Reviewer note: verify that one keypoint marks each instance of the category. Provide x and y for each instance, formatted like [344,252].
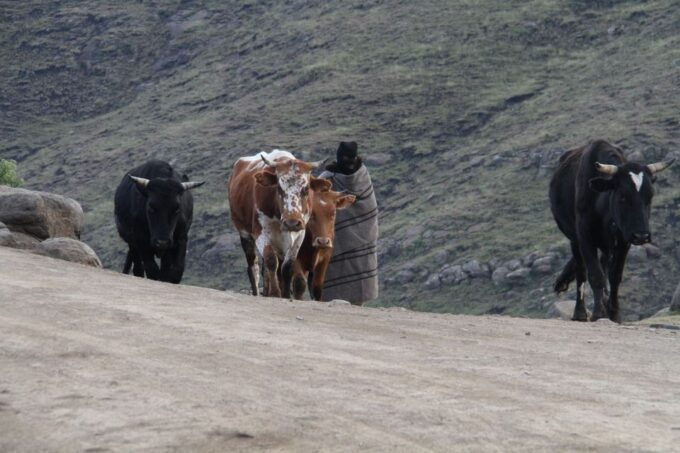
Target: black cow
[154,209]
[600,201]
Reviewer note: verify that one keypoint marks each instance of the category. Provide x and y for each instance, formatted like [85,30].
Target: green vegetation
[8,174]
[466,99]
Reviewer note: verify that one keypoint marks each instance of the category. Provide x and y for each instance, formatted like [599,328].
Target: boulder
[69,250]
[475,269]
[377,159]
[433,281]
[452,275]
[17,240]
[519,274]
[653,252]
[563,309]
[40,214]
[637,254]
[499,275]
[513,265]
[675,302]
[544,264]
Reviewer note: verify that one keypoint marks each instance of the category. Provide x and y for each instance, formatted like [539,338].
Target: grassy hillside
[461,108]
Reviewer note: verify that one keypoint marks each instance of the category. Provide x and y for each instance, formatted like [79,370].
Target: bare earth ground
[96,361]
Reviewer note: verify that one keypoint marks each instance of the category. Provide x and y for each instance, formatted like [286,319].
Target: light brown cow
[317,247]
[270,206]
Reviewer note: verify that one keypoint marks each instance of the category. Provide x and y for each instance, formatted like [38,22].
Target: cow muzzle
[322,243]
[293,225]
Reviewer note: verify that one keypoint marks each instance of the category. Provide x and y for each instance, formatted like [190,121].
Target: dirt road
[95,361]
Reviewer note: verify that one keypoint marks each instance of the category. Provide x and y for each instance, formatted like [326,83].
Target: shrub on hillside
[8,173]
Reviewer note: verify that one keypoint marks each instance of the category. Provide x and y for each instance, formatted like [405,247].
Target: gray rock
[528,260]
[653,252]
[17,240]
[377,159]
[662,312]
[544,264]
[338,302]
[475,269]
[499,275]
[433,282]
[40,214]
[3,226]
[69,250]
[452,275]
[519,274]
[513,265]
[637,254]
[405,276]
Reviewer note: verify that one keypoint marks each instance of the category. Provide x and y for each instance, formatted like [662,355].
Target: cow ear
[345,201]
[602,184]
[266,178]
[320,184]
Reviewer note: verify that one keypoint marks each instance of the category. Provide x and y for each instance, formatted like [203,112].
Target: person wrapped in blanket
[352,274]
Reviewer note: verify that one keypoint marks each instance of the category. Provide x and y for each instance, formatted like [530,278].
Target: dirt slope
[95,361]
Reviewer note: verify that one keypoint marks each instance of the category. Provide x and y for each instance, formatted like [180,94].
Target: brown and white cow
[317,247]
[270,206]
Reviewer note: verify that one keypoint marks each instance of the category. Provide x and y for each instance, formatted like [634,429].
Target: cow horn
[660,166]
[318,163]
[192,184]
[606,168]
[143,182]
[267,161]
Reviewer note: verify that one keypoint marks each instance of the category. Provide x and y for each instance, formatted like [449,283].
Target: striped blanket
[353,271]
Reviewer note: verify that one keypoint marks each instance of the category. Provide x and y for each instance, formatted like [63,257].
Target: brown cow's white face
[291,177]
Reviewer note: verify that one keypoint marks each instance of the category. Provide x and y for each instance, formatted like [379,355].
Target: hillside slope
[462,107]
[93,360]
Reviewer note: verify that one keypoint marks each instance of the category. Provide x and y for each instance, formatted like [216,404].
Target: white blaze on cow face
[293,184]
[637,179]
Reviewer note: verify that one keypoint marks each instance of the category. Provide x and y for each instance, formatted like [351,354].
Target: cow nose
[162,244]
[293,225]
[323,242]
[641,238]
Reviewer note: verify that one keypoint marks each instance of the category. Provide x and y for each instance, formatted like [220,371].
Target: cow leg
[604,262]
[299,284]
[128,262]
[271,264]
[150,267]
[596,279]
[580,313]
[248,245]
[173,262]
[566,276]
[319,277]
[615,276]
[292,248]
[132,259]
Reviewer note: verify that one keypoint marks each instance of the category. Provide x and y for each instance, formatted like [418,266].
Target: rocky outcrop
[44,223]
[69,250]
[40,214]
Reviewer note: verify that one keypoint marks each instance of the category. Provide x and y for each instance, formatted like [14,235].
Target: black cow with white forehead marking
[601,201]
[154,210]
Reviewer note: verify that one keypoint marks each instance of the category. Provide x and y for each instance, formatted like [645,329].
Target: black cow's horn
[319,163]
[660,166]
[141,181]
[267,161]
[192,184]
[606,168]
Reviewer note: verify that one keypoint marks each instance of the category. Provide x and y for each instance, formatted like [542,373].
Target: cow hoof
[560,286]
[615,318]
[580,317]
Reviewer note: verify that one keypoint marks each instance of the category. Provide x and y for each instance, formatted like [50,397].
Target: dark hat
[347,149]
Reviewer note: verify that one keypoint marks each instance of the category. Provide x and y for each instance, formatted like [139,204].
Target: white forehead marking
[256,160]
[637,179]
